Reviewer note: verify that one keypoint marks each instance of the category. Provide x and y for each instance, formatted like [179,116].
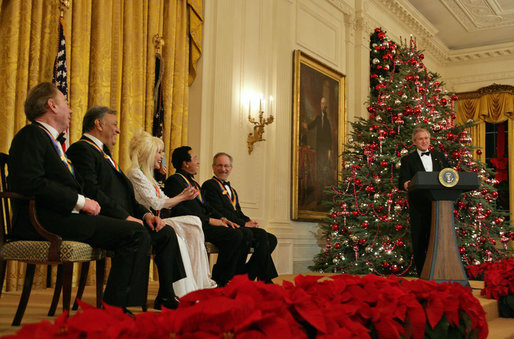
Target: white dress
[189,232]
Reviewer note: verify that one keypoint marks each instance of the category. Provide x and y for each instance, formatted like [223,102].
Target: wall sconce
[258,128]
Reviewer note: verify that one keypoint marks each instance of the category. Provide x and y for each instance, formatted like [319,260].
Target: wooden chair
[51,251]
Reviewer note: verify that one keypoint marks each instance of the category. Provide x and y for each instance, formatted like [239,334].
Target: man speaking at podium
[420,206]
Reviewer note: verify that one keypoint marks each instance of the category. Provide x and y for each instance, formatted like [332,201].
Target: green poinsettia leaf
[439,331]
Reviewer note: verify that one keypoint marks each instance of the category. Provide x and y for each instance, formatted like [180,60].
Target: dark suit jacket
[411,164]
[35,169]
[217,197]
[174,185]
[103,183]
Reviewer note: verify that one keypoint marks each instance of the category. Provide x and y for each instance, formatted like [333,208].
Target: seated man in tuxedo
[218,230]
[38,167]
[420,207]
[105,182]
[222,197]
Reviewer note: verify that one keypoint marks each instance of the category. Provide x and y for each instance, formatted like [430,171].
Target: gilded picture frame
[319,119]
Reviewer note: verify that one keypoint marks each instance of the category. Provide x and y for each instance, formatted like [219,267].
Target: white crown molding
[408,14]
[473,78]
[477,53]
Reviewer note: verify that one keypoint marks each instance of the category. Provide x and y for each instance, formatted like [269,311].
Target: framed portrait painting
[318,133]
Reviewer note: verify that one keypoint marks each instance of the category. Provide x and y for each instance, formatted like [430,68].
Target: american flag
[158,117]
[60,77]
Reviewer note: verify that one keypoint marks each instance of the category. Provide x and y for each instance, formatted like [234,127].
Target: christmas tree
[368,227]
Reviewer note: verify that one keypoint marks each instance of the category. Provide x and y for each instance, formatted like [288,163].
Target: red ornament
[421,56]
[444,102]
[365,224]
[494,194]
[385,264]
[355,213]
[398,227]
[371,109]
[370,189]
[383,164]
[335,227]
[462,250]
[358,182]
[337,246]
[455,155]
[479,151]
[399,243]
[450,136]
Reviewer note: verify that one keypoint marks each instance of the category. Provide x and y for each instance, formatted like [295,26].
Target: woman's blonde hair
[143,148]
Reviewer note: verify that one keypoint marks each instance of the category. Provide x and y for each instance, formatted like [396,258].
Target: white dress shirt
[426,160]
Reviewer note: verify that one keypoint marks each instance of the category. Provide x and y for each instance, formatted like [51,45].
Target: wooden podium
[443,262]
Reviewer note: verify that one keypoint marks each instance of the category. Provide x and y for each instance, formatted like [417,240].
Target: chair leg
[48,276]
[3,267]
[100,276]
[84,270]
[27,287]
[144,307]
[66,285]
[57,292]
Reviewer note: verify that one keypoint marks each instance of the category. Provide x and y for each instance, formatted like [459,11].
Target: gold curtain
[111,62]
[492,104]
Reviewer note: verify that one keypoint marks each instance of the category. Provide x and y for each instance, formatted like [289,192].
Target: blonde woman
[146,154]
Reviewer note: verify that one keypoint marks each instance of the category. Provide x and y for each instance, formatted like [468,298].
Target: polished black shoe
[171,303]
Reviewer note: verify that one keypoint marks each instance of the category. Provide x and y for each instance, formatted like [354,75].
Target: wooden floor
[499,328]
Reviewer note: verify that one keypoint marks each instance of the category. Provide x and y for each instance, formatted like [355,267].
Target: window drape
[492,104]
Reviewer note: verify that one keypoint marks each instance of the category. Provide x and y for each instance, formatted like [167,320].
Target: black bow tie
[106,150]
[226,183]
[425,153]
[61,138]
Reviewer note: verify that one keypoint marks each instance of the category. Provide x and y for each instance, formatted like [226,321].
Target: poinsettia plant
[343,306]
[498,277]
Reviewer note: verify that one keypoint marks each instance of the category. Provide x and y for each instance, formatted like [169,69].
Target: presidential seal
[448,177]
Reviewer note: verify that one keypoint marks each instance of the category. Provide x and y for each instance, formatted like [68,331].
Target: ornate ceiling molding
[476,15]
[424,33]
